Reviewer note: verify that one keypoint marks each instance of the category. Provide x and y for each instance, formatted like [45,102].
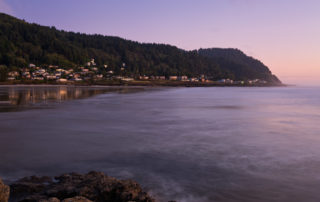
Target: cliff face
[4,192]
[73,187]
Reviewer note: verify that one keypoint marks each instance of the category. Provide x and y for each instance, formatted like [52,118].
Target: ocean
[187,144]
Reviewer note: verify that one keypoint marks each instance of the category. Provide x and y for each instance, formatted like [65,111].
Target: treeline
[241,65]
[22,43]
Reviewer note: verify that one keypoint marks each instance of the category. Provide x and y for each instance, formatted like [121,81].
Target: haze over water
[184,144]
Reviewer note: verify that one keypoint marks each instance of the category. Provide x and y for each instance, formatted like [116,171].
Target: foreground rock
[73,187]
[4,192]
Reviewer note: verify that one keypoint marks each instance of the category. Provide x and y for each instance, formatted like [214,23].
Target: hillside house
[183,78]
[143,77]
[173,78]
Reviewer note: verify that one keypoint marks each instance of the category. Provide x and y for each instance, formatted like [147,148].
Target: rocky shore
[4,192]
[73,187]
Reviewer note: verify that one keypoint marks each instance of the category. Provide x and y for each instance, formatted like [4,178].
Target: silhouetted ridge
[243,66]
[22,43]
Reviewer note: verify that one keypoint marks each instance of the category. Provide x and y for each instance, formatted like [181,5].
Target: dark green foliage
[22,43]
[243,66]
[3,72]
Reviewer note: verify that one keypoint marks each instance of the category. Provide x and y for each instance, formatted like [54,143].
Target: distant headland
[35,54]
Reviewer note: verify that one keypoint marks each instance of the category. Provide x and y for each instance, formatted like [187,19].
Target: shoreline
[138,84]
[68,85]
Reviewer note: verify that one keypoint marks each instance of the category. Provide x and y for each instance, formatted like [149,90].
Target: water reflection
[20,98]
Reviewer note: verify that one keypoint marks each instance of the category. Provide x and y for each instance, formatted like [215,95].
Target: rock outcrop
[73,187]
[4,192]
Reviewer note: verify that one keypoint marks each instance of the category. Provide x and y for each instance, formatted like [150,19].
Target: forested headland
[23,43]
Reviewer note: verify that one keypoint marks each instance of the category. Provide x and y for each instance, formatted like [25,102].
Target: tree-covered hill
[241,65]
[22,43]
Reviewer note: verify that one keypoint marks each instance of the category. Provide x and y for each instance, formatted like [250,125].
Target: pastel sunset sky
[283,34]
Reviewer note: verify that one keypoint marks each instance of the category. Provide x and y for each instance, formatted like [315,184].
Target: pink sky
[283,34]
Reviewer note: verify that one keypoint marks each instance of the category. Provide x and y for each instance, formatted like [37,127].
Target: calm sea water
[184,144]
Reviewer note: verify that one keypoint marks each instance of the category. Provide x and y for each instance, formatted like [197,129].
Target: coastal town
[90,72]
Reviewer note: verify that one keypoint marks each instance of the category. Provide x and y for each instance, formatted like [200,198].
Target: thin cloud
[5,7]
